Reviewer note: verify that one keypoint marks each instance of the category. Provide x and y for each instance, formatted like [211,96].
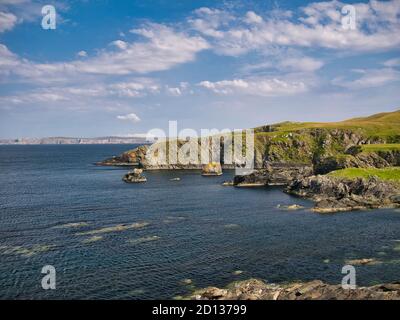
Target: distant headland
[70,140]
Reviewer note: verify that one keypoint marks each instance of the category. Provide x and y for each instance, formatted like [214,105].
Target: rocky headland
[254,289]
[300,157]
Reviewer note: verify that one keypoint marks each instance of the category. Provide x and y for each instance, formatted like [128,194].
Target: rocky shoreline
[254,289]
[333,194]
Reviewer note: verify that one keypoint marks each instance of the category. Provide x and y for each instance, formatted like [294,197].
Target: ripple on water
[143,240]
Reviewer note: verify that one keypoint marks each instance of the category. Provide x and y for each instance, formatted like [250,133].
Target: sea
[163,239]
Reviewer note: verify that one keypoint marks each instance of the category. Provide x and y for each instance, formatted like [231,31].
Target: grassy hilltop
[311,142]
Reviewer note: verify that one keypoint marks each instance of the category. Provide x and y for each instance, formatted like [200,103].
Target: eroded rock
[254,289]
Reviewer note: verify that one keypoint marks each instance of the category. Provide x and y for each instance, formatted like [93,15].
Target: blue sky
[126,67]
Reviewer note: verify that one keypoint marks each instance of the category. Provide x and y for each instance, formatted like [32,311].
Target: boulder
[134,176]
[212,169]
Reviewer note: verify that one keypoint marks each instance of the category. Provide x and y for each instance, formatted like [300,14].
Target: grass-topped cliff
[333,142]
[372,141]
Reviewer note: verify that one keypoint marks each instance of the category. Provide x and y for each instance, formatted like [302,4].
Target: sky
[127,67]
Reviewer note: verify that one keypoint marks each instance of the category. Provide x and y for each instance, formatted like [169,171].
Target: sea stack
[212,169]
[134,176]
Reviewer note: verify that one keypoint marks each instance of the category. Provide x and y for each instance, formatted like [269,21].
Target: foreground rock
[212,169]
[254,289]
[135,176]
[333,194]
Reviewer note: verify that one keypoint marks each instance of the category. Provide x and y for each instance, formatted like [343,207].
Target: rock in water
[212,169]
[134,176]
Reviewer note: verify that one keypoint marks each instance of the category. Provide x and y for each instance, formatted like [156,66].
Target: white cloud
[369,78]
[7,21]
[207,21]
[82,53]
[163,50]
[120,44]
[305,64]
[129,117]
[319,25]
[176,92]
[392,62]
[257,87]
[252,18]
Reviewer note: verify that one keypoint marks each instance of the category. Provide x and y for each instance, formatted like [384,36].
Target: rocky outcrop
[135,176]
[333,194]
[254,289]
[275,173]
[212,169]
[357,159]
[135,157]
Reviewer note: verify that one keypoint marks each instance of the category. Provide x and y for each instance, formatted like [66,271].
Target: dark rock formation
[135,176]
[275,173]
[254,289]
[333,194]
[356,159]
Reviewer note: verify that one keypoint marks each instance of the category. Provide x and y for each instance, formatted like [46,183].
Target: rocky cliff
[333,194]
[325,146]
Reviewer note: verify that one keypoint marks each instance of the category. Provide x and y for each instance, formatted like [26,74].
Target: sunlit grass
[387,174]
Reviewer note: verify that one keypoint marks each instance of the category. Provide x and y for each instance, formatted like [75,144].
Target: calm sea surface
[197,229]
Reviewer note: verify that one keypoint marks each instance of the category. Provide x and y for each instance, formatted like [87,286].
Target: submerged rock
[290,207]
[255,289]
[135,176]
[187,281]
[92,239]
[212,169]
[362,262]
[117,228]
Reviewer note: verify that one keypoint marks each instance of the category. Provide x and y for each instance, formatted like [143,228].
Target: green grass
[382,125]
[381,147]
[387,174]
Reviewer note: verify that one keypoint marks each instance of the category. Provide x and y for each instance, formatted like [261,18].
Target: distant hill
[68,140]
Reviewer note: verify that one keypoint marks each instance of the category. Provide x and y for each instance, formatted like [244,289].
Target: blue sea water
[197,229]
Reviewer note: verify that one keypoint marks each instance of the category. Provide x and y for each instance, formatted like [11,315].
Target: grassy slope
[387,174]
[379,125]
[381,147]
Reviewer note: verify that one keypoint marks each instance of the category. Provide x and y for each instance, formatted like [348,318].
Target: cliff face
[325,146]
